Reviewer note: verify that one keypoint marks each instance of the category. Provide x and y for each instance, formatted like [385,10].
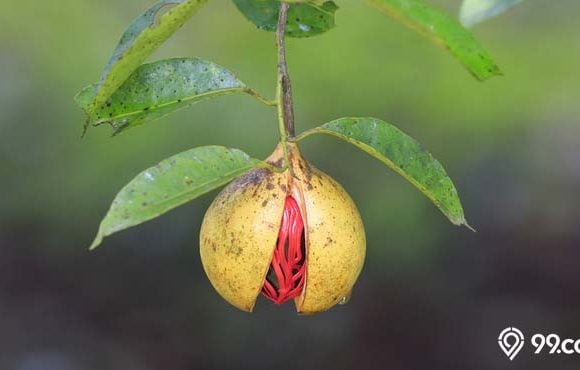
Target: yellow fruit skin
[336,244]
[238,235]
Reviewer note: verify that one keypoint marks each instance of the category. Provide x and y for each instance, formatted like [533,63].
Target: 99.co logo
[555,344]
[511,341]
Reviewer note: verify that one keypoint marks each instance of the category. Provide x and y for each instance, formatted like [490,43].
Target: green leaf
[444,31]
[171,183]
[475,11]
[402,154]
[157,89]
[304,19]
[143,36]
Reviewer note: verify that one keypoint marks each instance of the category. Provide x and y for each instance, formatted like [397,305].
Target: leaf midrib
[173,102]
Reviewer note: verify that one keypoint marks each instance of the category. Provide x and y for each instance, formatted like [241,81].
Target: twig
[285,108]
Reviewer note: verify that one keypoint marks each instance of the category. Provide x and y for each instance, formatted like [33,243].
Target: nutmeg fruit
[294,234]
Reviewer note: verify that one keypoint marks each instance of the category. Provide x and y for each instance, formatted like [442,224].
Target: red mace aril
[287,273]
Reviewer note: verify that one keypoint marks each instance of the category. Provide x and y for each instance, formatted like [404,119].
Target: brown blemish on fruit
[276,163]
[329,241]
[253,177]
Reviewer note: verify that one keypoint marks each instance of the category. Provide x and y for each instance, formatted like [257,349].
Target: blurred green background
[431,295]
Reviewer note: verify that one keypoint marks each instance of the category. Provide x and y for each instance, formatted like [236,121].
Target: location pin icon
[511,341]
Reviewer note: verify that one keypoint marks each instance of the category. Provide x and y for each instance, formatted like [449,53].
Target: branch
[284,84]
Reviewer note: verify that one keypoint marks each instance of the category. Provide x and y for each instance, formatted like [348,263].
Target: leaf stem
[256,95]
[305,134]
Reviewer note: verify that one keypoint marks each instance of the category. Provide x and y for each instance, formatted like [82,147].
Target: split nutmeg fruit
[287,235]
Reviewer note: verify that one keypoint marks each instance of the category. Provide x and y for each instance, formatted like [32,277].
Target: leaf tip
[85,127]
[96,242]
[469,227]
[463,222]
[492,71]
[495,72]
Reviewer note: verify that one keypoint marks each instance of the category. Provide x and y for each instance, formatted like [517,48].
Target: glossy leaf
[402,154]
[160,88]
[475,11]
[304,19]
[444,31]
[171,183]
[143,36]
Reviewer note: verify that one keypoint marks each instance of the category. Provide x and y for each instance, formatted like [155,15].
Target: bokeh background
[431,295]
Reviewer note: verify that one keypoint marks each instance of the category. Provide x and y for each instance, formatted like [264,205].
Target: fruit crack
[287,272]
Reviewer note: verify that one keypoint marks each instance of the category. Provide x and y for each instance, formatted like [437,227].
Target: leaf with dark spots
[172,183]
[443,30]
[157,89]
[401,153]
[141,38]
[305,19]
